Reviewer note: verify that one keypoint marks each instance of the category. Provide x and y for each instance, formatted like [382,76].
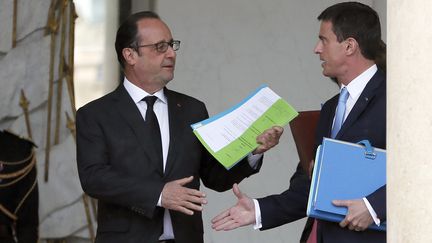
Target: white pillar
[110,63]
[409,119]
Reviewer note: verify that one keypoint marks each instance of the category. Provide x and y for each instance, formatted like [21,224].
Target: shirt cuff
[258,224]
[253,160]
[372,212]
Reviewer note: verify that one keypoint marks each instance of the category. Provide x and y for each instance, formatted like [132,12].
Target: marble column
[409,120]
[110,63]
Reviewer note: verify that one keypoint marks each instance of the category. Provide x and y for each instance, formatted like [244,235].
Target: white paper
[221,132]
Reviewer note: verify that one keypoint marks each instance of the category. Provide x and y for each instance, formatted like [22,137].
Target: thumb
[185,180]
[341,203]
[237,191]
[278,129]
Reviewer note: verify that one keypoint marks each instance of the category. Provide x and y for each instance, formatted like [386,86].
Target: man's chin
[167,77]
[327,74]
[166,81]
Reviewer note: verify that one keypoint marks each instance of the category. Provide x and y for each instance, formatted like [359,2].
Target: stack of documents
[344,171]
[231,135]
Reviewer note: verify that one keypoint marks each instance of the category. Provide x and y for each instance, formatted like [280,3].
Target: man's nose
[170,52]
[318,48]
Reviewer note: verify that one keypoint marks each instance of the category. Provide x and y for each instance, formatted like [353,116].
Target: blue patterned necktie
[340,112]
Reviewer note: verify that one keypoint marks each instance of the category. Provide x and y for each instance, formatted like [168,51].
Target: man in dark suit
[137,153]
[349,43]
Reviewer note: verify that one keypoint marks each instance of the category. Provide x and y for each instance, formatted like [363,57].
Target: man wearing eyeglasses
[136,151]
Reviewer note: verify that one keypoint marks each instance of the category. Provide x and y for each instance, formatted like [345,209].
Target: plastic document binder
[344,171]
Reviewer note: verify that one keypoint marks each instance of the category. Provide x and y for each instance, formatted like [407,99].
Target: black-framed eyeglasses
[162,46]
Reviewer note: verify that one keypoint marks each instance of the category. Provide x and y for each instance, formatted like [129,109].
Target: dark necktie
[152,125]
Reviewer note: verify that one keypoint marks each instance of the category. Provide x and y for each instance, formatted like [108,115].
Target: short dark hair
[358,21]
[127,33]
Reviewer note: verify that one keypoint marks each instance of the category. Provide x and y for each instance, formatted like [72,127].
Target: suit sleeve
[288,206]
[378,202]
[101,180]
[215,176]
[291,204]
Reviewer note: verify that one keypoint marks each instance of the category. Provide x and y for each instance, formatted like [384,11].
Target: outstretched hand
[176,196]
[358,217]
[241,214]
[268,139]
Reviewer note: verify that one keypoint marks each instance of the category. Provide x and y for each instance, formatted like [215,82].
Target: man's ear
[129,55]
[351,46]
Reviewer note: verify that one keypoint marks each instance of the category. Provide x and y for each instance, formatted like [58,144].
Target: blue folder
[344,171]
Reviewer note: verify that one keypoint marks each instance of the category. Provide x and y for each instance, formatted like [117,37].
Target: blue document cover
[344,171]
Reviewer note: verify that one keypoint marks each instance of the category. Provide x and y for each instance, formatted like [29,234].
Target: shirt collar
[356,86]
[138,94]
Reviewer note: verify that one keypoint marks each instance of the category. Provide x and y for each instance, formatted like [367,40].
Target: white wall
[409,117]
[228,49]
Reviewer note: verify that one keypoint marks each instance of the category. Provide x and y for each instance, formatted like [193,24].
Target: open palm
[241,214]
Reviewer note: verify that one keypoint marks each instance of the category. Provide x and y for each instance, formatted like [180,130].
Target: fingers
[220,221]
[349,222]
[268,139]
[177,197]
[277,129]
[352,225]
[344,223]
[188,208]
[358,217]
[185,180]
[188,205]
[189,191]
[270,135]
[183,210]
[194,196]
[342,203]
[229,220]
[226,224]
[225,221]
[195,193]
[220,217]
[241,214]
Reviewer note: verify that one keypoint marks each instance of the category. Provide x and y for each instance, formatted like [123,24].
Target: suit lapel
[328,121]
[365,98]
[175,114]
[130,113]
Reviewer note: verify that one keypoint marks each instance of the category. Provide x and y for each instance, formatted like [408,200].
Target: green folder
[268,110]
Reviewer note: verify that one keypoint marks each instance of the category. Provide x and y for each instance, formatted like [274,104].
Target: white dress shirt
[355,88]
[160,108]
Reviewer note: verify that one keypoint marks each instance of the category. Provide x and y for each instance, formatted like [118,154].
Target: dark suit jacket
[117,164]
[367,120]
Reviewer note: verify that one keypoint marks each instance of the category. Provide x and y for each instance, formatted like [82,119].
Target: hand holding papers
[231,135]
[344,171]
